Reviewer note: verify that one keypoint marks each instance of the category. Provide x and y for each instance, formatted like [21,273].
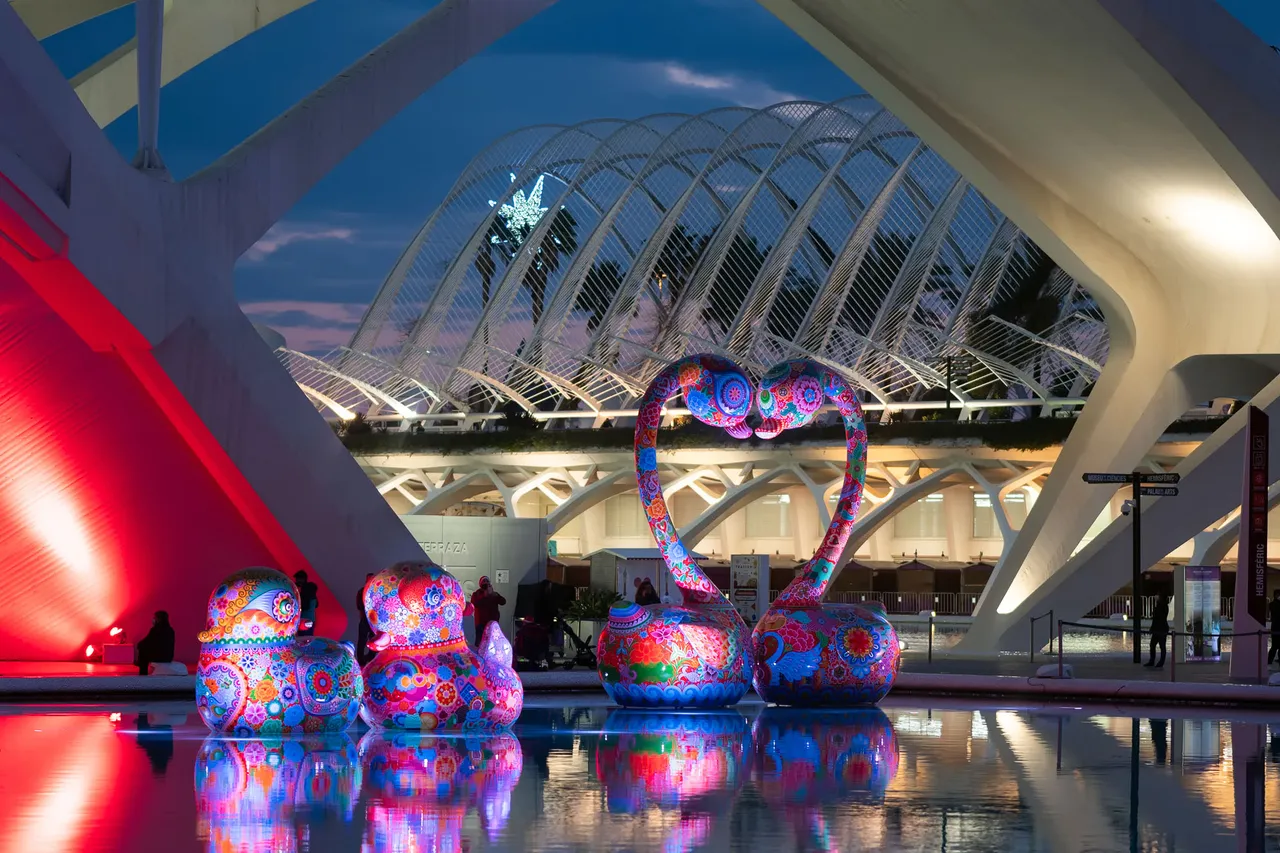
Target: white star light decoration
[524,212]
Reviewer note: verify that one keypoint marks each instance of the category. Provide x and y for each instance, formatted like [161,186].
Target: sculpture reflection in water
[425,676]
[419,789]
[807,652]
[693,654]
[255,677]
[264,795]
[805,760]
[690,764]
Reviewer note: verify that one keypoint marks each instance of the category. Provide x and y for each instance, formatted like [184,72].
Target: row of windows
[770,517]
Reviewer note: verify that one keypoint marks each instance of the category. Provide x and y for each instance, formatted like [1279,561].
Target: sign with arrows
[1159,491]
[1099,479]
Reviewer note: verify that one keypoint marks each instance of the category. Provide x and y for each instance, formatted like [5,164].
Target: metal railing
[1117,605]
[1261,636]
[1034,620]
[901,603]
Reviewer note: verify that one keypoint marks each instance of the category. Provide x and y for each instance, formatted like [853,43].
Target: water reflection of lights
[259,795]
[420,788]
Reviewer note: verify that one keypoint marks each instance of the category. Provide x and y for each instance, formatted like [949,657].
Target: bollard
[1059,649]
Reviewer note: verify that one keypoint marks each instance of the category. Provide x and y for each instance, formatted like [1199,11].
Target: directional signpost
[1152,485]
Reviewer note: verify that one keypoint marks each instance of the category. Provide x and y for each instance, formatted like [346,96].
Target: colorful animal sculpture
[807,760]
[420,789]
[258,794]
[255,677]
[425,676]
[807,652]
[693,654]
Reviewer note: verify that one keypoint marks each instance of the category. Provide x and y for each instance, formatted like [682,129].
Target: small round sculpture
[807,652]
[694,654]
[425,676]
[246,790]
[255,677]
[421,787]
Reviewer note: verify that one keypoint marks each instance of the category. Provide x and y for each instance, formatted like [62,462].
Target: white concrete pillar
[957,507]
[150,24]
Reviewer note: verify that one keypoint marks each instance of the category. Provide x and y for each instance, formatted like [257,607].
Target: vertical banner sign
[1253,544]
[748,580]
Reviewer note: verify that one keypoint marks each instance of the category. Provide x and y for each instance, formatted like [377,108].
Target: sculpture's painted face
[253,605]
[413,604]
[790,396]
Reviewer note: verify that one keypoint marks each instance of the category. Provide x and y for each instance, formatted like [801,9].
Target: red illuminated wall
[114,500]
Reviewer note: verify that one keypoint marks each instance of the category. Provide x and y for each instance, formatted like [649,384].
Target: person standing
[157,646]
[486,602]
[364,633]
[1159,630]
[308,601]
[1273,610]
[645,593]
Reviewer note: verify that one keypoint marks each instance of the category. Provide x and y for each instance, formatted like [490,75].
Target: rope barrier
[1171,633]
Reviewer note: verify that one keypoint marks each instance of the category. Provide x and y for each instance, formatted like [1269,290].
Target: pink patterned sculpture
[256,678]
[692,654]
[425,676]
[807,652]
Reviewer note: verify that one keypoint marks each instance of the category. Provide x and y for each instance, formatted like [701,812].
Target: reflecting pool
[577,774]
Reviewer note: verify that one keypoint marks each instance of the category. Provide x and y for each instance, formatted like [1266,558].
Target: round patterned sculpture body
[693,654]
[256,678]
[425,676]
[807,652]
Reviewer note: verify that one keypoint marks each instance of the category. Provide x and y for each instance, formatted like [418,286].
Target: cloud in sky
[308,326]
[287,233]
[743,91]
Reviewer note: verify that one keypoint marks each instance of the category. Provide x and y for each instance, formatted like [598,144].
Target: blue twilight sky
[314,273]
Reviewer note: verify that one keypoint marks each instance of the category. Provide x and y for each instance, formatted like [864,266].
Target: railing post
[930,636]
[1059,649]
[1033,638]
[1173,662]
[1050,632]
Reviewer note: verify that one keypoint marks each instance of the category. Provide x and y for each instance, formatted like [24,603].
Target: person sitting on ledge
[157,646]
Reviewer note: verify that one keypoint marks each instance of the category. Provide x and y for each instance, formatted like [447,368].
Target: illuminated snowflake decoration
[524,211]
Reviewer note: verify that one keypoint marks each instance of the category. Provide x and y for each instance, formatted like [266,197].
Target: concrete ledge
[94,686]
[1091,689]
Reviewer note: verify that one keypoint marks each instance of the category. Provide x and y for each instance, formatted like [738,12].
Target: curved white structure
[569,264]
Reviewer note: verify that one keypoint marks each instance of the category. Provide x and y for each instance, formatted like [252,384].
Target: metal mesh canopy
[567,265]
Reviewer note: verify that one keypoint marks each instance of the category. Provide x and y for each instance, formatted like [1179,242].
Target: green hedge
[1032,434]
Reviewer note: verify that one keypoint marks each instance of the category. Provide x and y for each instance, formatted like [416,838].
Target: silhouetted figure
[1160,739]
[486,602]
[157,646]
[646,593]
[308,601]
[157,743]
[1159,630]
[1273,610]
[364,633]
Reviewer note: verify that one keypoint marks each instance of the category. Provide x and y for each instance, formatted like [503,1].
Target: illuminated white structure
[569,264]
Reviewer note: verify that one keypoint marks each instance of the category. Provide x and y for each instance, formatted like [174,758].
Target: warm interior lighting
[1226,222]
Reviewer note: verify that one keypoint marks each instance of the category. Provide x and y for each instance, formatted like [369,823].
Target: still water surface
[577,774]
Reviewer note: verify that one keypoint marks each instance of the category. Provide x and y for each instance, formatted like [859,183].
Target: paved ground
[1084,666]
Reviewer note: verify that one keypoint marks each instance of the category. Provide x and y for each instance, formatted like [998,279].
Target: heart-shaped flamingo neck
[717,392]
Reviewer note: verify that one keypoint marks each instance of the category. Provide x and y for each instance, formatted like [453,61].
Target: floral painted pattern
[255,677]
[426,676]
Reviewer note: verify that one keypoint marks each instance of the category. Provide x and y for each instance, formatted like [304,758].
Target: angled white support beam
[150,28]
[733,500]
[49,17]
[899,499]
[588,496]
[466,486]
[259,181]
[1210,547]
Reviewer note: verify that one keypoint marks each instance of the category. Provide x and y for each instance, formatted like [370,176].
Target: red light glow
[89,650]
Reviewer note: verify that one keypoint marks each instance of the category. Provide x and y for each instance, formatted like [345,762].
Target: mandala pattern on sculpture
[693,654]
[807,652]
[425,676]
[256,678]
[421,787]
[246,790]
